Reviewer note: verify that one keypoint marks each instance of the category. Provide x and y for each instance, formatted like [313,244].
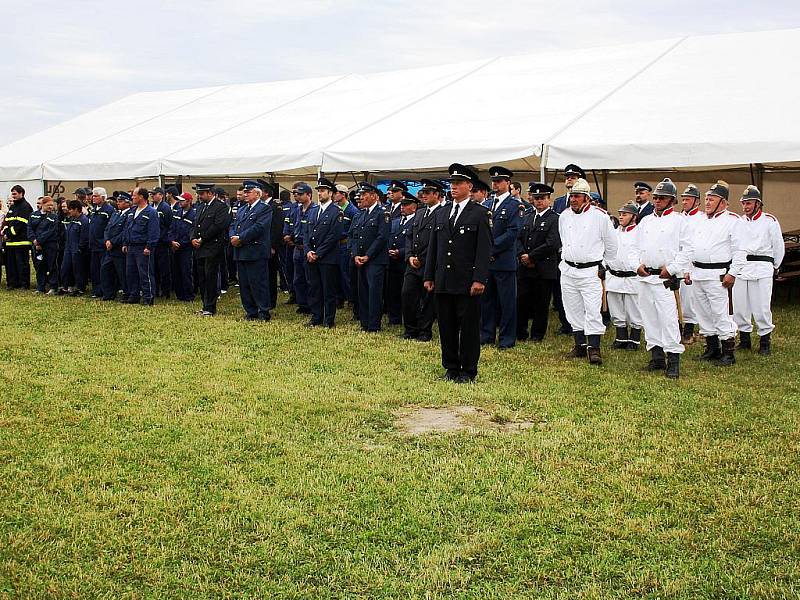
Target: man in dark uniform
[538,264]
[349,211]
[499,300]
[418,304]
[184,215]
[643,193]
[43,233]
[395,193]
[76,246]
[456,271]
[112,266]
[249,238]
[16,243]
[322,256]
[370,235]
[141,235]
[305,210]
[480,194]
[99,216]
[400,227]
[161,260]
[208,237]
[276,228]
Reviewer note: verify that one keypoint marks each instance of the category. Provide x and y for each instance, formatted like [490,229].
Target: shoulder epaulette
[771,217]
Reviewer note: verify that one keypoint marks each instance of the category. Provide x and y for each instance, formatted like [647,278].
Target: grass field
[149,453]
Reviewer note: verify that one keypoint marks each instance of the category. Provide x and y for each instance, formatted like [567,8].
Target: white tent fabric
[693,102]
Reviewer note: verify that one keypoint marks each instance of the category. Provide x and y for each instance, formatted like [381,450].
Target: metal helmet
[629,207]
[751,192]
[580,187]
[665,187]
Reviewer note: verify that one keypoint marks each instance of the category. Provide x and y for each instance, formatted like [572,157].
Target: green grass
[150,453]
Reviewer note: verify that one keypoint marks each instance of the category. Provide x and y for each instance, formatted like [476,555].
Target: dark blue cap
[157,190]
[325,183]
[173,189]
[203,187]
[267,187]
[641,185]
[408,198]
[500,173]
[459,171]
[480,186]
[363,186]
[538,188]
[251,184]
[124,196]
[574,170]
[302,187]
[432,185]
[398,186]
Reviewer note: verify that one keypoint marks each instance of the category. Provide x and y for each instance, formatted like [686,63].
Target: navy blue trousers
[140,273]
[499,308]
[47,267]
[183,274]
[370,295]
[323,290]
[254,288]
[73,270]
[112,276]
[300,278]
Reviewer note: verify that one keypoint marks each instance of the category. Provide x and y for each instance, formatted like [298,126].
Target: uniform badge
[521,210]
[341,217]
[387,217]
[461,231]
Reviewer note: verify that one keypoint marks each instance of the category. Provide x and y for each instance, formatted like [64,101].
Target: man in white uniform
[718,259]
[587,240]
[764,249]
[622,290]
[691,210]
[665,249]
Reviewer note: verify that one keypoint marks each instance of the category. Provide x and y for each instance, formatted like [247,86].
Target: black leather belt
[595,263]
[622,273]
[653,270]
[719,265]
[760,258]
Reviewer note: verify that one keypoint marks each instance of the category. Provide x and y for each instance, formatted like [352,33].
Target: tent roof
[687,103]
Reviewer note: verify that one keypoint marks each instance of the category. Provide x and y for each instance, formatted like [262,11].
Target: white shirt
[461,206]
[665,240]
[587,236]
[498,200]
[762,237]
[371,208]
[715,240]
[138,211]
[627,259]
[324,206]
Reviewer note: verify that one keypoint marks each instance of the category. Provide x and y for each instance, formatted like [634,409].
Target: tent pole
[605,185]
[543,164]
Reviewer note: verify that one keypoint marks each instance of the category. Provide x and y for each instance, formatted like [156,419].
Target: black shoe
[303,310]
[673,365]
[657,359]
[76,293]
[537,339]
[728,357]
[712,351]
[147,302]
[312,324]
[265,317]
[464,378]
[621,340]
[451,375]
[250,318]
[292,299]
[565,330]
[634,339]
[96,296]
[424,337]
[765,345]
[407,335]
[745,342]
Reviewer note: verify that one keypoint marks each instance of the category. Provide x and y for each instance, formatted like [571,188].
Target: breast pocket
[468,229]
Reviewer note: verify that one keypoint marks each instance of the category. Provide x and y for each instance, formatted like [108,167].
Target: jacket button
[449,253]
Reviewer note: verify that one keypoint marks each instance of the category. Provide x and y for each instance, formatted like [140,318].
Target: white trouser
[711,304]
[582,298]
[660,316]
[751,300]
[624,309]
[687,303]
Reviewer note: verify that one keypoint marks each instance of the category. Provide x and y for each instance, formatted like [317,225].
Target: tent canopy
[692,102]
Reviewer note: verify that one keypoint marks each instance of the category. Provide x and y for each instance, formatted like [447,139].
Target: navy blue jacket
[301,220]
[143,230]
[99,216]
[182,224]
[397,241]
[324,234]
[44,228]
[114,232]
[77,238]
[370,235]
[349,212]
[164,221]
[252,225]
[506,223]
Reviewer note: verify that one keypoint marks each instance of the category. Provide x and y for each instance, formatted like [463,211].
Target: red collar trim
[757,215]
[630,227]
[694,211]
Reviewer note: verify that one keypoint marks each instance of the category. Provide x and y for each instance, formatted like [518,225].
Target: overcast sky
[61,59]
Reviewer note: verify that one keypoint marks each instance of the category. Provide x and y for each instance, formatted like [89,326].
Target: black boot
[728,358]
[579,351]
[657,361]
[765,345]
[593,350]
[712,351]
[688,334]
[673,365]
[634,339]
[745,343]
[621,340]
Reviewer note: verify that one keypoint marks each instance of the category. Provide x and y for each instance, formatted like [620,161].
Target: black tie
[454,217]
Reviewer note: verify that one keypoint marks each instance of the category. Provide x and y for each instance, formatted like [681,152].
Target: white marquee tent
[689,103]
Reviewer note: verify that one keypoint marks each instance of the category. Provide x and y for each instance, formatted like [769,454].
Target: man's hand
[109,245]
[146,251]
[394,254]
[428,285]
[124,249]
[361,260]
[196,243]
[728,281]
[272,251]
[687,279]
[642,271]
[476,289]
[176,246]
[235,241]
[664,273]
[525,260]
[311,256]
[414,262]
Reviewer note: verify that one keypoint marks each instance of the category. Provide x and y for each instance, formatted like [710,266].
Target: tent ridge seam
[258,116]
[615,90]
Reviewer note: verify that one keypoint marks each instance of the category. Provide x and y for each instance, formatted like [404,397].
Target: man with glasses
[418,306]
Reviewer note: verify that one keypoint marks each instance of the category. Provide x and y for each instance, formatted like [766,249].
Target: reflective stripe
[20,219]
[25,243]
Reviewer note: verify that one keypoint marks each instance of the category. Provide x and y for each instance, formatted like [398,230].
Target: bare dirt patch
[419,421]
